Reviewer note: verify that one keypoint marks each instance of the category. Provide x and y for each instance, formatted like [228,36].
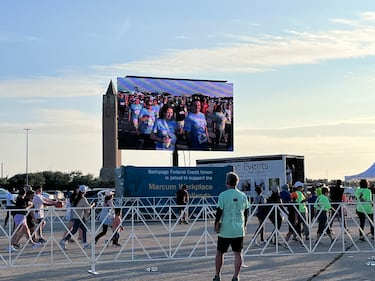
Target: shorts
[235,243]
[20,219]
[180,124]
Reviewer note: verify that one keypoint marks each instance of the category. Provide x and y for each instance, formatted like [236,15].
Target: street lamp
[27,155]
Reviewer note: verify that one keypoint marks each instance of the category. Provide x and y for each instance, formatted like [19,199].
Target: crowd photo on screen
[165,121]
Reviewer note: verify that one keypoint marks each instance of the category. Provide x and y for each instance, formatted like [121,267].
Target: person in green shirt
[302,218]
[230,222]
[322,206]
[364,208]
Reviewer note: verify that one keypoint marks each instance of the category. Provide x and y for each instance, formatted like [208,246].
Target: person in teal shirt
[230,222]
[364,208]
[322,205]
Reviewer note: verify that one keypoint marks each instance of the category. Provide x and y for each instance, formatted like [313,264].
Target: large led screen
[174,114]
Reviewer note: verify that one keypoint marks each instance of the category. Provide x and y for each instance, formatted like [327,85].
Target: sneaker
[362,239]
[62,244]
[87,245]
[36,245]
[42,240]
[16,246]
[185,222]
[235,279]
[71,240]
[216,278]
[11,249]
[117,244]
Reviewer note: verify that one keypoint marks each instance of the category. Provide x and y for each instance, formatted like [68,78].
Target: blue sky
[303,74]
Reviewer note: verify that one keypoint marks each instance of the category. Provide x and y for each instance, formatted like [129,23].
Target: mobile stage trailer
[265,171]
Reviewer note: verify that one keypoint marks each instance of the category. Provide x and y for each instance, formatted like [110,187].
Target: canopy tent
[368,174]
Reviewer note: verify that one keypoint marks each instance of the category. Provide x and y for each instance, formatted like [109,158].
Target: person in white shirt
[9,205]
[39,203]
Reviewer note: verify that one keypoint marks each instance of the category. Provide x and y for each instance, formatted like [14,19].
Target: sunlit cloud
[240,54]
[49,87]
[11,37]
[249,54]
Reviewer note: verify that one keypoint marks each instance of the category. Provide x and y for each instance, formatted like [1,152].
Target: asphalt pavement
[343,267]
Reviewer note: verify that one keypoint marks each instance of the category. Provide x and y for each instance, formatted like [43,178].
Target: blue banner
[164,182]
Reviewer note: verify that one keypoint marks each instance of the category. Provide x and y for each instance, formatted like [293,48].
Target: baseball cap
[83,188]
[298,184]
[285,187]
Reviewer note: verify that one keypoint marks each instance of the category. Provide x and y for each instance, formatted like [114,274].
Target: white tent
[368,174]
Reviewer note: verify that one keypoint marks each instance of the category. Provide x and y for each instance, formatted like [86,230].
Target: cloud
[354,128]
[250,54]
[368,16]
[49,87]
[11,37]
[235,54]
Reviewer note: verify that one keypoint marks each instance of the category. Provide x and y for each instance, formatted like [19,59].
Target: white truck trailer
[264,171]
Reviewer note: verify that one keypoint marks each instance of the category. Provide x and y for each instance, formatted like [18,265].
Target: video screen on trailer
[174,114]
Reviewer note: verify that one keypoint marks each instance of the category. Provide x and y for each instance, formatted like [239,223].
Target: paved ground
[297,267]
[343,267]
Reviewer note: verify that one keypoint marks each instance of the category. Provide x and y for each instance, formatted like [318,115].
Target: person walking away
[260,213]
[364,208]
[337,192]
[230,222]
[182,199]
[81,210]
[323,206]
[275,215]
[117,227]
[293,228]
[107,214]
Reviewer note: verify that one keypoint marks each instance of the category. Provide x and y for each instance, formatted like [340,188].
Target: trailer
[264,171]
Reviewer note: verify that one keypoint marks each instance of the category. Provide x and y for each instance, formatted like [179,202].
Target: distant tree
[56,180]
[18,181]
[78,178]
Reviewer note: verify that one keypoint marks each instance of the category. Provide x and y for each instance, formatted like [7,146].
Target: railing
[152,232]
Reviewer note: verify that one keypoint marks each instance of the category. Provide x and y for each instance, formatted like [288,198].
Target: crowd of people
[301,207]
[165,122]
[28,217]
[320,204]
[27,214]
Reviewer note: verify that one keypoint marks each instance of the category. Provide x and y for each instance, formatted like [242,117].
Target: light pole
[27,155]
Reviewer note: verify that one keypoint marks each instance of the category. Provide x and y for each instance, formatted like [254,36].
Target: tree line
[51,181]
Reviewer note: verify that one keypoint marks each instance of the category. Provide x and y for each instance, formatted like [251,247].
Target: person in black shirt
[337,192]
[182,199]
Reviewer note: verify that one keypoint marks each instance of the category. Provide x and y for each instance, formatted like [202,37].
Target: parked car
[56,195]
[48,195]
[3,197]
